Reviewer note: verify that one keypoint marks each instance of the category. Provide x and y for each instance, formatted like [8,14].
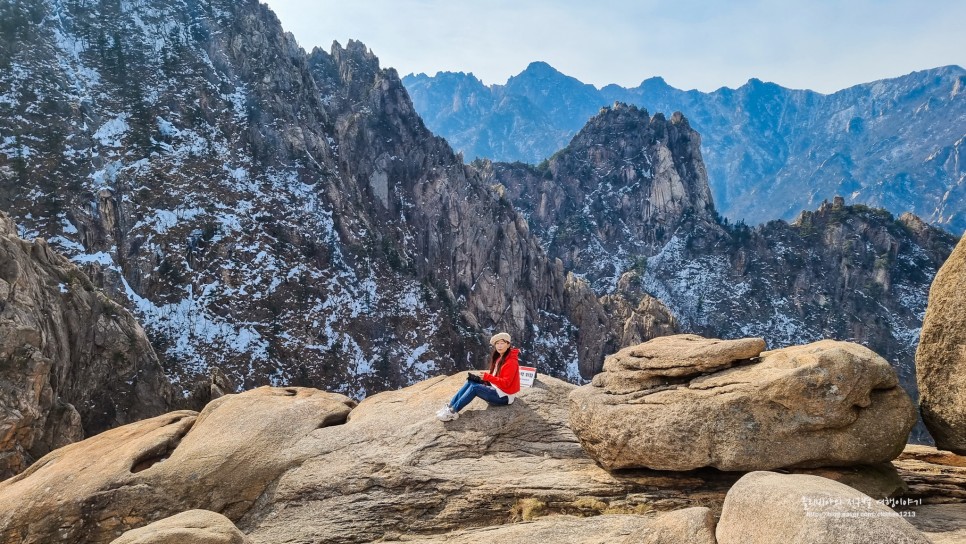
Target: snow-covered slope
[281,215]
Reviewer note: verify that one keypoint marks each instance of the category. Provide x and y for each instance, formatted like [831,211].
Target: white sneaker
[447,414]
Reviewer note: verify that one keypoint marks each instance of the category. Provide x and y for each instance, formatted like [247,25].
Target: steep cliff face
[73,362]
[283,216]
[893,143]
[425,214]
[622,187]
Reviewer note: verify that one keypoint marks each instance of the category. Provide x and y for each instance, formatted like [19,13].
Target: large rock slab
[823,404]
[193,526]
[394,469]
[73,362]
[941,355]
[277,464]
[687,526]
[220,460]
[667,359]
[683,355]
[765,507]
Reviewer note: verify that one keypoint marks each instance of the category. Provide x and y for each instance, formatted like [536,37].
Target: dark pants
[471,390]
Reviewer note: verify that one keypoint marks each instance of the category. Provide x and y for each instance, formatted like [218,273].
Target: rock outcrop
[72,361]
[671,359]
[933,476]
[823,404]
[650,319]
[941,356]
[394,469]
[766,507]
[220,460]
[390,469]
[280,466]
[192,526]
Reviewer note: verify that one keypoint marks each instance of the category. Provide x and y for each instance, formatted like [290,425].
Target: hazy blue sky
[822,45]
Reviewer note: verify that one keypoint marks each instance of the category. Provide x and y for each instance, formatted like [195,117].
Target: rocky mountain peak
[654,82]
[548,90]
[538,70]
[626,133]
[624,186]
[356,62]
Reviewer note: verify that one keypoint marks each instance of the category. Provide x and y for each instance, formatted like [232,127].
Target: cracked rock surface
[296,465]
[221,460]
[828,403]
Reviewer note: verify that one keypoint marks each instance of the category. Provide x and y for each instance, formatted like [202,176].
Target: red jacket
[507,379]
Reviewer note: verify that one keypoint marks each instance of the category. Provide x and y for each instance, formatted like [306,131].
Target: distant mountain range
[771,152]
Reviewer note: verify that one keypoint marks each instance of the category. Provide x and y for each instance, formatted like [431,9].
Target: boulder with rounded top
[194,526]
[823,404]
[941,355]
[766,507]
[220,460]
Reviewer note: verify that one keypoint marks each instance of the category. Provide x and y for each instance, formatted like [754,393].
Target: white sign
[527,375]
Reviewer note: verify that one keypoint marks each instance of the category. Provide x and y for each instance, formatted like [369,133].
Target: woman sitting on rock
[496,387]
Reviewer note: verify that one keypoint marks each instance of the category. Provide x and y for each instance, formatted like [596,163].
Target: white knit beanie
[500,336]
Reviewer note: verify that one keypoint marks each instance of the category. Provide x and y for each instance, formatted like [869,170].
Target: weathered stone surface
[823,404]
[941,523]
[72,362]
[688,526]
[765,507]
[393,469]
[193,526]
[220,460]
[683,355]
[941,356]
[933,476]
[663,360]
[881,481]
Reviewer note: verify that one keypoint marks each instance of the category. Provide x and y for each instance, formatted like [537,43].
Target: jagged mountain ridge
[617,209]
[622,187]
[281,215]
[894,143]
